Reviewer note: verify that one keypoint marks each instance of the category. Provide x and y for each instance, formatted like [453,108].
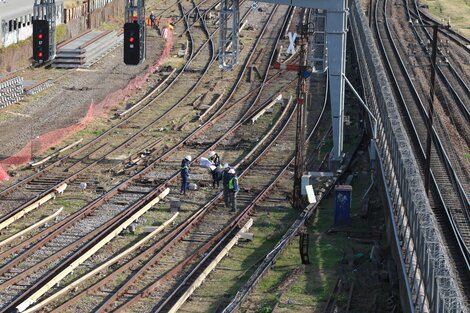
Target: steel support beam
[336,31]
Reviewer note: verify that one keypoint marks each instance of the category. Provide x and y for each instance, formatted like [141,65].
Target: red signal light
[131,39]
[40,36]
[40,54]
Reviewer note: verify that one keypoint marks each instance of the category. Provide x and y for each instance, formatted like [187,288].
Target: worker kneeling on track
[185,174]
[233,189]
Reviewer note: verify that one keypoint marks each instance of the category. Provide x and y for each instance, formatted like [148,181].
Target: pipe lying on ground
[198,282]
[57,191]
[55,154]
[69,269]
[30,228]
[103,266]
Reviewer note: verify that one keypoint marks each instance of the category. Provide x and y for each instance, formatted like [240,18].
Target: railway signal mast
[134,32]
[44,18]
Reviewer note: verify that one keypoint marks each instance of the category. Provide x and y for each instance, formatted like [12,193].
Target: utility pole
[304,73]
[302,90]
[88,16]
[427,169]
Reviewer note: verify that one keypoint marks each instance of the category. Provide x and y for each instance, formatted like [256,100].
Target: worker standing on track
[233,189]
[152,20]
[216,172]
[225,181]
[185,174]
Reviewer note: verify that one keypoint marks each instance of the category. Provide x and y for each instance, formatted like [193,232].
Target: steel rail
[446,77]
[126,142]
[184,283]
[188,223]
[60,227]
[83,212]
[460,40]
[144,171]
[109,130]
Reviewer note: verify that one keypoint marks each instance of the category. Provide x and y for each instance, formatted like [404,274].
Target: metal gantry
[46,10]
[135,13]
[228,34]
[335,29]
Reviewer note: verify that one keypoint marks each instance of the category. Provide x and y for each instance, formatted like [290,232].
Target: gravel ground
[67,101]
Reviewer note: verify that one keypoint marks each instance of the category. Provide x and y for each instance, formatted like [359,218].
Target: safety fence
[52,138]
[428,283]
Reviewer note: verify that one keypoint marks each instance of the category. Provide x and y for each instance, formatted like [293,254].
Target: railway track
[137,191]
[142,150]
[147,276]
[446,197]
[450,78]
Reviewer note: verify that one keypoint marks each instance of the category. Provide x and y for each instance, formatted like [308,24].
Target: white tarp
[205,163]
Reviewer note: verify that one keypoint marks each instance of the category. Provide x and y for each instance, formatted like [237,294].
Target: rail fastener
[51,195]
[69,269]
[103,266]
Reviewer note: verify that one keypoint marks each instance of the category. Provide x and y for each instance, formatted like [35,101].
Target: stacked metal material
[32,87]
[86,49]
[11,90]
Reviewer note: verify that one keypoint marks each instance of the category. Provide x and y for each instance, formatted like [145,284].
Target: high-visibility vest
[230,183]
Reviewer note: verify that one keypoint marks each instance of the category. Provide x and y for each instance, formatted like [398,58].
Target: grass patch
[457,11]
[467,156]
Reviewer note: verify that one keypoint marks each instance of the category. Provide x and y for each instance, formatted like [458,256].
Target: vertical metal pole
[427,170]
[300,127]
[88,16]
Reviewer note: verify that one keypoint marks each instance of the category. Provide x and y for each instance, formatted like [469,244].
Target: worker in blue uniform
[185,174]
[233,189]
[225,180]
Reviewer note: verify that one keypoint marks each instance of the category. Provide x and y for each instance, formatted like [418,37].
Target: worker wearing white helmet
[185,174]
[233,189]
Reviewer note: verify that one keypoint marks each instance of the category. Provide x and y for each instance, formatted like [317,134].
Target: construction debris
[11,90]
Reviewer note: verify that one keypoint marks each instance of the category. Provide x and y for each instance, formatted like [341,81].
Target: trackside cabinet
[343,201]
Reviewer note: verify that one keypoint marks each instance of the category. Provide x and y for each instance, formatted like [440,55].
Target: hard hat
[226,166]
[232,171]
[188,157]
[211,154]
